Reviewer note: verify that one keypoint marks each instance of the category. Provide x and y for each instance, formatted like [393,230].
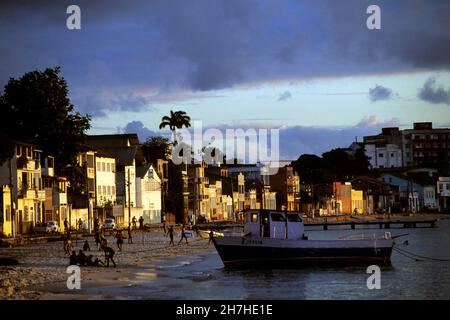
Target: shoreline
[41,273]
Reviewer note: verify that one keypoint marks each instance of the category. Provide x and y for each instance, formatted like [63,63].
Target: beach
[41,272]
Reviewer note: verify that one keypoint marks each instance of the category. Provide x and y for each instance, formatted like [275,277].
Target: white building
[443,192]
[105,181]
[385,156]
[148,193]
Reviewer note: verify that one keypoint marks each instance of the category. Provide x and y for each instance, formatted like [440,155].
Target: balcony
[40,195]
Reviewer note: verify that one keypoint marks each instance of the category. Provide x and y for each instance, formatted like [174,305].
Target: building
[425,146]
[126,150]
[22,190]
[286,184]
[422,145]
[148,193]
[385,150]
[415,193]
[55,206]
[443,194]
[105,184]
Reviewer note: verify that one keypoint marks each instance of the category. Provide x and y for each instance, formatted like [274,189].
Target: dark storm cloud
[380,93]
[203,45]
[433,94]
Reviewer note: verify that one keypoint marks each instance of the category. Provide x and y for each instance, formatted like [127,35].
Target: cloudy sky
[309,68]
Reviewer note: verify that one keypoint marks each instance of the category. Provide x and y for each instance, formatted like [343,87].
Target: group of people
[141,223]
[170,233]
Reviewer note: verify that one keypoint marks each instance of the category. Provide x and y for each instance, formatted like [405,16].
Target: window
[380,155]
[109,190]
[99,166]
[254,217]
[294,218]
[277,217]
[103,167]
[392,155]
[104,190]
[113,190]
[108,167]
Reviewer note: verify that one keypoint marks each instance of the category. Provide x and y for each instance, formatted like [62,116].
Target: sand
[42,267]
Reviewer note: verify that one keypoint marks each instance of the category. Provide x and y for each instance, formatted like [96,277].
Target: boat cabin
[274,224]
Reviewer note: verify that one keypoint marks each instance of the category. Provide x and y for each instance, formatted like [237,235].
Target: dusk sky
[310,68]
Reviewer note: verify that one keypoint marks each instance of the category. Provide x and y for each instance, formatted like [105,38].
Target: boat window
[277,217]
[294,218]
[254,217]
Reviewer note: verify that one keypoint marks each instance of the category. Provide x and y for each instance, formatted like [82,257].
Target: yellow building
[357,201]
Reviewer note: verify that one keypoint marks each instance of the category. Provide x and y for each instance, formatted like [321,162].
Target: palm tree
[176,120]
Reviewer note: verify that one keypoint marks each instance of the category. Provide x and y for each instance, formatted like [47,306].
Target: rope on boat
[412,258]
[416,256]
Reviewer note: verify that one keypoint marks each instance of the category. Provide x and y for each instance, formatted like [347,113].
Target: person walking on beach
[211,236]
[141,223]
[119,237]
[170,233]
[109,255]
[66,226]
[183,236]
[103,242]
[97,240]
[130,236]
[164,227]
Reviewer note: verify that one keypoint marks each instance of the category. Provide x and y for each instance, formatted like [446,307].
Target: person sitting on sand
[86,246]
[81,257]
[73,259]
[95,263]
[183,236]
[109,255]
[67,244]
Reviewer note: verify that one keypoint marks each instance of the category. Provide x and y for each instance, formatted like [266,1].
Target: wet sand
[41,273]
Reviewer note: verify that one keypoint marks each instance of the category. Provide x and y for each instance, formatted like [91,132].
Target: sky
[311,69]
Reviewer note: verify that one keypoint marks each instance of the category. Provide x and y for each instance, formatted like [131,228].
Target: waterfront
[202,276]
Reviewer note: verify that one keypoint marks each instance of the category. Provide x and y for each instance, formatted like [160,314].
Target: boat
[277,238]
[205,234]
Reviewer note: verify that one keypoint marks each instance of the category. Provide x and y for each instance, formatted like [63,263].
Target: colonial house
[55,206]
[105,184]
[148,193]
[124,148]
[20,179]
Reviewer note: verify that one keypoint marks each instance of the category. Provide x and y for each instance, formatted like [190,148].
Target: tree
[37,108]
[176,120]
[156,148]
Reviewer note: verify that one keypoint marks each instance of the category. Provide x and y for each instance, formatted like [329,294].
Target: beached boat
[205,234]
[278,238]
